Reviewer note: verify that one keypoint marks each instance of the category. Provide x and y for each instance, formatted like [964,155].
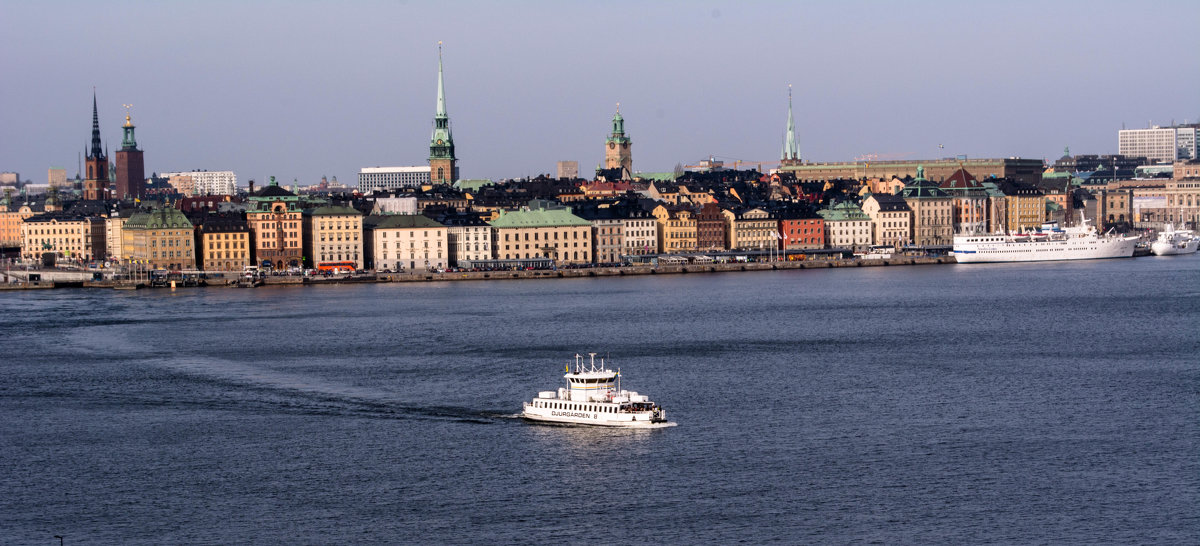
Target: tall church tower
[618,152]
[95,186]
[131,171]
[443,166]
[791,147]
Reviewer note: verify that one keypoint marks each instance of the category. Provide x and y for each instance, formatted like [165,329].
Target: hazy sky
[304,89]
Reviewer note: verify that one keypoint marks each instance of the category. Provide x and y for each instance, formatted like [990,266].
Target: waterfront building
[67,235]
[791,147]
[932,212]
[1160,144]
[443,165]
[969,203]
[1028,171]
[204,182]
[95,186]
[408,243]
[542,231]
[276,227]
[846,226]
[618,152]
[640,230]
[1175,201]
[333,234]
[608,232]
[751,229]
[162,238]
[468,237]
[1026,206]
[130,166]
[676,229]
[114,233]
[712,229]
[801,232]
[891,219]
[223,242]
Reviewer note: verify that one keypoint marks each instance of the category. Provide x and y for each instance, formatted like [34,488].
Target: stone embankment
[682,269]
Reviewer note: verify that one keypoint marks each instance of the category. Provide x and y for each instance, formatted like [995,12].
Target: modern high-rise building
[443,165]
[209,182]
[131,170]
[391,178]
[1160,144]
[95,186]
[568,169]
[618,153]
[791,146]
[56,177]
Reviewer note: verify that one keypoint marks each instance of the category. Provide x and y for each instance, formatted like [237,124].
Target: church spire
[96,151]
[791,148]
[441,99]
[442,162]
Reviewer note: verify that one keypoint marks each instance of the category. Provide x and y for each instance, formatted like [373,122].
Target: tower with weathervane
[618,153]
[131,171]
[443,166]
[95,186]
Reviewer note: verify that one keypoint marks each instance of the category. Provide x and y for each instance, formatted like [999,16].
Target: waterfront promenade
[83,279]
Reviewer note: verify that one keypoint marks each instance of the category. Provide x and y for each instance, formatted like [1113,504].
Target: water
[989,403]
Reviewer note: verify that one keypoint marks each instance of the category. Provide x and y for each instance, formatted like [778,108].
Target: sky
[304,89]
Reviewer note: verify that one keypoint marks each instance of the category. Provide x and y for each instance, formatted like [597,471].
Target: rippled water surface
[990,403]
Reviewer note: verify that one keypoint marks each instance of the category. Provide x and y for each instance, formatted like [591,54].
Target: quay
[48,279]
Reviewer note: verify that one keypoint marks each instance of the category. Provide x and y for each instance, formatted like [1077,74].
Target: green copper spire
[441,144]
[791,148]
[128,142]
[618,128]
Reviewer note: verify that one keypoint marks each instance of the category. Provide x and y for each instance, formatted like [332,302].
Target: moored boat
[593,396]
[1173,241]
[1048,243]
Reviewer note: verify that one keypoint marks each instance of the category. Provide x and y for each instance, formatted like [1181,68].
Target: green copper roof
[472,184]
[334,211]
[538,218]
[441,143]
[159,218]
[791,149]
[668,176]
[407,221]
[843,212]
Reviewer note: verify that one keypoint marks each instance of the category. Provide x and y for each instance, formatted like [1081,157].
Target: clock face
[612,145]
[440,142]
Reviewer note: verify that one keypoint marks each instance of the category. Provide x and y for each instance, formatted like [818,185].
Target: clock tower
[618,151]
[443,166]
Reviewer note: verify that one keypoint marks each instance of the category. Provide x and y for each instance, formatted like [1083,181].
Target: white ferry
[1048,243]
[1173,241]
[593,396]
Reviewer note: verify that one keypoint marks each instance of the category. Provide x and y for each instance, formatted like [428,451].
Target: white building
[641,235]
[409,243]
[209,182]
[1159,144]
[470,239]
[390,178]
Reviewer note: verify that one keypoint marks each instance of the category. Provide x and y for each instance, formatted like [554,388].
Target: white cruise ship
[593,396]
[1048,243]
[1173,241]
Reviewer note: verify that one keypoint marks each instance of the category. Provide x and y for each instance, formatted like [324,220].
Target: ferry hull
[1168,249]
[1048,251]
[641,422]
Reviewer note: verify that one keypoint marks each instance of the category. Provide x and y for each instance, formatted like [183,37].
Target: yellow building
[542,231]
[676,229]
[224,243]
[1026,208]
[333,234]
[12,215]
[162,238]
